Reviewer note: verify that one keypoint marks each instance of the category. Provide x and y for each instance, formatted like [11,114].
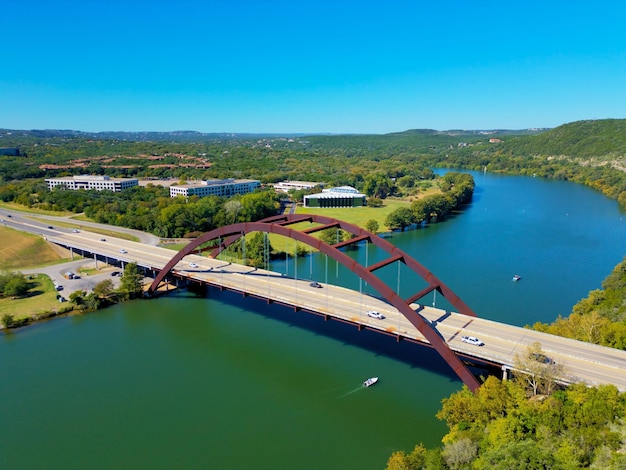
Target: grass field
[21,250]
[20,208]
[42,297]
[359,215]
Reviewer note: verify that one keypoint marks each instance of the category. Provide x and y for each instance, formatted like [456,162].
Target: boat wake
[351,392]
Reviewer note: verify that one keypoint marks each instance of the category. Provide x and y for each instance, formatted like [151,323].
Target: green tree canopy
[131,284]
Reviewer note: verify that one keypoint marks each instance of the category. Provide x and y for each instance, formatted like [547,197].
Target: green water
[196,383]
[227,382]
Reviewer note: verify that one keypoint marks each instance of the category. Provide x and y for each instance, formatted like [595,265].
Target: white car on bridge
[472,340]
[375,314]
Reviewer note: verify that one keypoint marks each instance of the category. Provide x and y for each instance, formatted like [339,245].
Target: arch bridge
[284,225]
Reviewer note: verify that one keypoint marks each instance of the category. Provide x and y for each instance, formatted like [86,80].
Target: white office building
[99,183]
[286,186]
[223,187]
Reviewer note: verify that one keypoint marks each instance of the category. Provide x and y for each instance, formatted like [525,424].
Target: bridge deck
[583,362]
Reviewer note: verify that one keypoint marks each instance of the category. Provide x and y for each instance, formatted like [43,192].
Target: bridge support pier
[505,373]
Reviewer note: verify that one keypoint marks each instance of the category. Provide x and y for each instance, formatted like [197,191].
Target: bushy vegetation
[13,284]
[502,427]
[457,190]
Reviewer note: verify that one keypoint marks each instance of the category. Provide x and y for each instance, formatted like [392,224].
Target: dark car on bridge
[543,359]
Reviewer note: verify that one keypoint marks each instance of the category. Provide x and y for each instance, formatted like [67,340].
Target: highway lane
[585,362]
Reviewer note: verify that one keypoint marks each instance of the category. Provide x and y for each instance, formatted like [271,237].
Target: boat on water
[371,381]
[517,277]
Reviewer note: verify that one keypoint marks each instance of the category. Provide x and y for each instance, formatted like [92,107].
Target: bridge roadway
[583,362]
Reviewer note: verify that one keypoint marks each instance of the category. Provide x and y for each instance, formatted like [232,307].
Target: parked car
[472,340]
[317,285]
[375,314]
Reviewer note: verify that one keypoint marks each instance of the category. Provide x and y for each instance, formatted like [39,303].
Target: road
[37,223]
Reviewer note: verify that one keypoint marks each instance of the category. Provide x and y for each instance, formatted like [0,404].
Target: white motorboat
[371,381]
[517,277]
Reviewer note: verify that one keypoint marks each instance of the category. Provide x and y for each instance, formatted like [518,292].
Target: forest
[592,153]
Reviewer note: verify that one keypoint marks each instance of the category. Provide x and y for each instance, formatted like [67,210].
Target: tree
[104,289]
[16,286]
[131,284]
[232,207]
[7,320]
[78,298]
[536,369]
[416,460]
[372,226]
[440,205]
[459,454]
[378,185]
[420,210]
[517,455]
[258,249]
[92,301]
[332,236]
[400,219]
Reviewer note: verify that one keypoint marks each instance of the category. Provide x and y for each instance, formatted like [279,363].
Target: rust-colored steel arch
[280,225]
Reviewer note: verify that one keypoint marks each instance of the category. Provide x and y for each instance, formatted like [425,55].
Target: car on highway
[317,285]
[103,239]
[375,314]
[50,227]
[76,230]
[123,251]
[472,340]
[116,273]
[193,265]
[543,359]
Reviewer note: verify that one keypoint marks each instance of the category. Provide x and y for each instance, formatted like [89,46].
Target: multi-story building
[99,183]
[223,187]
[285,186]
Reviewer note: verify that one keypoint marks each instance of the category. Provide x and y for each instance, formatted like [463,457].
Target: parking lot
[84,281]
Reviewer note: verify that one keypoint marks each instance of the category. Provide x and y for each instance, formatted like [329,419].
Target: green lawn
[359,215]
[42,297]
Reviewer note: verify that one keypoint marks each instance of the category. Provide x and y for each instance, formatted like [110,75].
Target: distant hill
[466,132]
[603,139]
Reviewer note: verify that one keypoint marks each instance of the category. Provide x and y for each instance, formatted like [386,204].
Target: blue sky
[310,66]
